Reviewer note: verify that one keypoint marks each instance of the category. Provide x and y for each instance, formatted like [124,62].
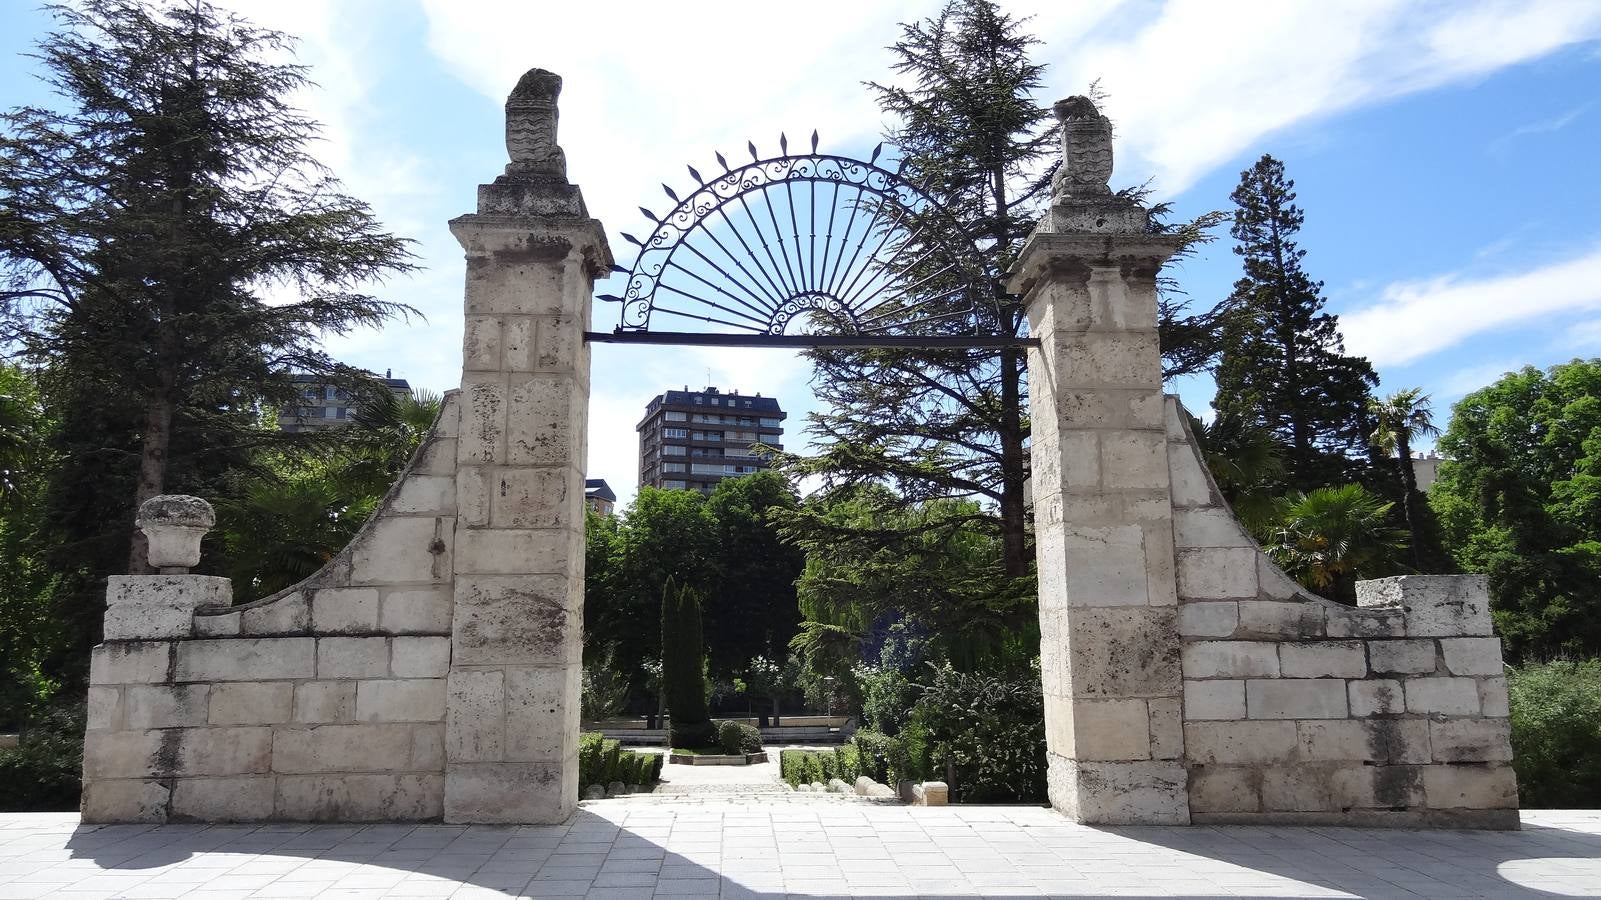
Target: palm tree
[1329,538]
[1401,417]
[1247,462]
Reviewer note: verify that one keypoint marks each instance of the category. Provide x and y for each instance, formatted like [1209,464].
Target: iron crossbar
[910,342]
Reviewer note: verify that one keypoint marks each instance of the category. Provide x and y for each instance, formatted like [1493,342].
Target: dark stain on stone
[537,250]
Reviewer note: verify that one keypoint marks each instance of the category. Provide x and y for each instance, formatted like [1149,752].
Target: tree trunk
[152,474]
[1409,487]
[1013,533]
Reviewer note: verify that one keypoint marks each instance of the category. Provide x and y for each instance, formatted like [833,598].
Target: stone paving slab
[755,851]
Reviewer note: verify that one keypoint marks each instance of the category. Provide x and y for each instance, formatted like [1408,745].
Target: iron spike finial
[696,175]
[751,145]
[650,215]
[783,143]
[631,239]
[721,161]
[814,140]
[876,151]
[618,269]
[670,193]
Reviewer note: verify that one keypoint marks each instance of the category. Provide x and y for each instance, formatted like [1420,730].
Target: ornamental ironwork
[805,249]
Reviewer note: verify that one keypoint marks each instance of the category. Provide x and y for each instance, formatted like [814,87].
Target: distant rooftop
[597,487]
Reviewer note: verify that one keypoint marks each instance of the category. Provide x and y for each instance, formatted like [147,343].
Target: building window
[344,412]
[700,401]
[672,450]
[746,420]
[674,416]
[676,484]
[747,404]
[672,467]
[675,432]
[772,423]
[708,435]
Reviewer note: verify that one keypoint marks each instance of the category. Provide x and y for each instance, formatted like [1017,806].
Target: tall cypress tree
[1283,363]
[683,675]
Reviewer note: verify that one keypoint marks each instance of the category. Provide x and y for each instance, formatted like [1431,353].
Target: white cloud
[1415,319]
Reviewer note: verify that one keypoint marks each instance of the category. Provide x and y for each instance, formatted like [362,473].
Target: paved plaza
[618,849]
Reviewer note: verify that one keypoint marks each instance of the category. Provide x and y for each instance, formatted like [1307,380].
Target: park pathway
[729,786]
[619,850]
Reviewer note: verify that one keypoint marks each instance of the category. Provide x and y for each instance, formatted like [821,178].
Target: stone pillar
[1103,515]
[532,257]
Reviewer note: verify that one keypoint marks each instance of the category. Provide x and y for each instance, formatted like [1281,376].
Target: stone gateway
[431,670]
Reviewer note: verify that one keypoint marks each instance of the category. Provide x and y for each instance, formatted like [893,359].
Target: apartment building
[691,440]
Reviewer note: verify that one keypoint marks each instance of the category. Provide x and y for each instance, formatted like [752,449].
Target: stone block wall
[323,702]
[1298,709]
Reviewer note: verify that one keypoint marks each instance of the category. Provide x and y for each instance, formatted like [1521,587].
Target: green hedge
[602,761]
[1556,733]
[800,767]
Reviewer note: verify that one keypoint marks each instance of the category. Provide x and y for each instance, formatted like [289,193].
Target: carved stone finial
[173,525]
[531,127]
[1086,150]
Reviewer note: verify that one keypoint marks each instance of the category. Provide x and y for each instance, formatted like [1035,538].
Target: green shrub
[1556,733]
[988,729]
[737,737]
[850,763]
[42,773]
[911,759]
[873,754]
[830,765]
[602,762]
[790,765]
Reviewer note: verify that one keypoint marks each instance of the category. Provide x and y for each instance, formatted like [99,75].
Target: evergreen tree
[1283,363]
[143,223]
[683,667]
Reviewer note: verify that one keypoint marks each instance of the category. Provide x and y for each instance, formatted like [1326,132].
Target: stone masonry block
[146,607]
[1366,623]
[352,657]
[1240,743]
[1188,480]
[1126,793]
[340,748]
[1105,566]
[1230,659]
[473,495]
[1111,730]
[1376,697]
[247,659]
[510,793]
[1273,584]
[481,344]
[403,550]
[531,497]
[124,754]
[415,612]
[432,495]
[475,720]
[1470,786]
[420,657]
[1217,573]
[220,751]
[1295,619]
[288,614]
[1224,699]
[401,700]
[228,624]
[1471,740]
[1403,656]
[230,799]
[428,747]
[1124,651]
[1208,527]
[125,802]
[517,620]
[1472,656]
[252,703]
[1435,605]
[515,551]
[542,713]
[104,708]
[1377,787]
[165,706]
[360,798]
[345,611]
[1493,700]
[1167,727]
[1301,698]
[1445,696]
[1215,619]
[1323,659]
[482,438]
[1134,459]
[1296,789]
[1229,789]
[317,702]
[1388,741]
[133,662]
[546,418]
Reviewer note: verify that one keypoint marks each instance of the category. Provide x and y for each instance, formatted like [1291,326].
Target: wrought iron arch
[852,249]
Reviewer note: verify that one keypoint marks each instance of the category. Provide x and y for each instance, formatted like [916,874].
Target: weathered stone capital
[1049,254]
[539,238]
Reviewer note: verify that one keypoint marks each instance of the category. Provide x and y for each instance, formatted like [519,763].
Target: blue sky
[1445,153]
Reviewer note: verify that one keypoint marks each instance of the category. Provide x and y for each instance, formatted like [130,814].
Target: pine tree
[143,222]
[683,672]
[1283,363]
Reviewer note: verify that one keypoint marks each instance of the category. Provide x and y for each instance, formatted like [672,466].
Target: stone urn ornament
[173,525]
